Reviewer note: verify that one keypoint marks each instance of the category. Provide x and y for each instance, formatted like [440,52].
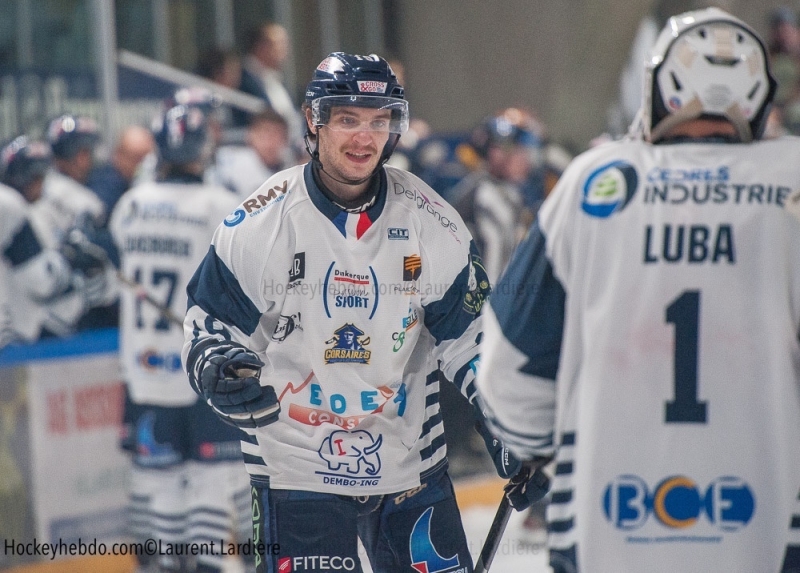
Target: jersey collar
[349,224]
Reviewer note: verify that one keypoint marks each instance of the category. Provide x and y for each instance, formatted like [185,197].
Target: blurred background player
[646,330]
[492,199]
[41,289]
[188,482]
[66,201]
[243,168]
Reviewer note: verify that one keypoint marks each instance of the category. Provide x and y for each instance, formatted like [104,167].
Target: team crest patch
[412,266]
[348,346]
[478,286]
[609,189]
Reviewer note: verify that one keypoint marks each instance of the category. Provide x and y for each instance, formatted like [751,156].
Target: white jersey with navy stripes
[162,231]
[34,280]
[353,314]
[646,331]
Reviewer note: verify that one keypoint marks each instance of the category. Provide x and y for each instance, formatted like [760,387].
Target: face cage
[398,124]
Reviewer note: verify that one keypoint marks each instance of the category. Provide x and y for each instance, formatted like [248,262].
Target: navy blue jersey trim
[791,559]
[529,303]
[216,290]
[24,245]
[428,451]
[332,211]
[564,560]
[563,468]
[561,496]
[430,423]
[561,525]
[449,317]
[255,460]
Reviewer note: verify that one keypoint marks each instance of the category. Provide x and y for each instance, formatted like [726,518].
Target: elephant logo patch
[352,455]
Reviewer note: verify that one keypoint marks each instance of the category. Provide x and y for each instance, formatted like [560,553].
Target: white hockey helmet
[707,63]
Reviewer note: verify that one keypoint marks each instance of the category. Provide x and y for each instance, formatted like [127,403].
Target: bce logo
[677,502]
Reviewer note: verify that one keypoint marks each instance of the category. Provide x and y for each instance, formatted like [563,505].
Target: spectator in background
[243,168]
[224,66]
[784,55]
[110,180]
[262,76]
[418,128]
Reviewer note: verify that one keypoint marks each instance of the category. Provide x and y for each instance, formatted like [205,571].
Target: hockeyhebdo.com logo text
[314,289]
[678,504]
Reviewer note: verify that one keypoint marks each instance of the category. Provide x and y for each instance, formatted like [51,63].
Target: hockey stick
[142,294]
[527,487]
[494,536]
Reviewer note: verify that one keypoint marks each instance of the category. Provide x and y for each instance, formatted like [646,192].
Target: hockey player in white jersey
[41,290]
[646,330]
[65,200]
[319,319]
[188,482]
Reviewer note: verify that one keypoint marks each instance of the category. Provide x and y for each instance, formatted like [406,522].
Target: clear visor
[361,113]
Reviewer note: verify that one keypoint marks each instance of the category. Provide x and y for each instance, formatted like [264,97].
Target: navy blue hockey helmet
[181,131]
[68,134]
[358,81]
[510,127]
[22,161]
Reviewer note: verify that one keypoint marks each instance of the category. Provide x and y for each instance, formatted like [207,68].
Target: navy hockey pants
[418,530]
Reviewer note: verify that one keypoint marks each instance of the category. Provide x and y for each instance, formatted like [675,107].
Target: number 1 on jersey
[684,313]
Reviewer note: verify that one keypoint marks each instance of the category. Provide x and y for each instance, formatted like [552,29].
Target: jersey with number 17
[647,330]
[162,231]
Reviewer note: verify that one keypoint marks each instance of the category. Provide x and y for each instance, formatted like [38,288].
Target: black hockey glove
[229,380]
[82,254]
[506,464]
[529,485]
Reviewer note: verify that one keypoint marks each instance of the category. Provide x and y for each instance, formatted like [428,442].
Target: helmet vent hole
[753,91]
[675,82]
[702,33]
[739,38]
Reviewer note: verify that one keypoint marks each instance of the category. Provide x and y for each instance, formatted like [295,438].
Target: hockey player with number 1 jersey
[646,330]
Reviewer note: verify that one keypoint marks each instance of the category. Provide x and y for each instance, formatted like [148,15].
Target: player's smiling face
[350,146]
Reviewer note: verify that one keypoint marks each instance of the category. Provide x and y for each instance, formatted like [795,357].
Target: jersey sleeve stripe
[24,246]
[216,290]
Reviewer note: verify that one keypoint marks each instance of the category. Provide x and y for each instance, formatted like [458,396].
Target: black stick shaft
[494,536]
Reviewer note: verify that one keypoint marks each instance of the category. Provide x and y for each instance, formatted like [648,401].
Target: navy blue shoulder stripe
[214,289]
[451,315]
[24,245]
[529,303]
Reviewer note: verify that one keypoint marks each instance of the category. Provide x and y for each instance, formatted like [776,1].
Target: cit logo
[609,189]
[678,502]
